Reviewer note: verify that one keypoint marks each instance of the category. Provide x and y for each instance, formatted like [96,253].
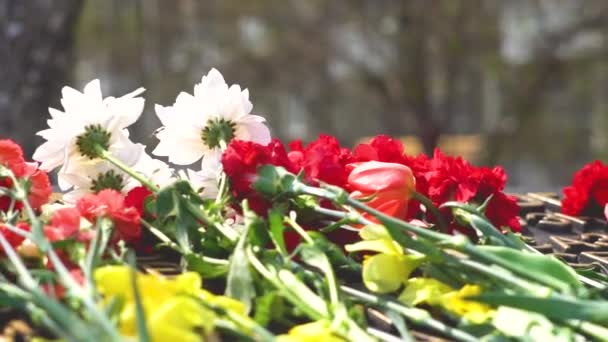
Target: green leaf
[275,181]
[142,329]
[277,229]
[315,257]
[400,325]
[268,308]
[529,326]
[556,308]
[166,202]
[545,266]
[315,305]
[205,267]
[488,230]
[240,282]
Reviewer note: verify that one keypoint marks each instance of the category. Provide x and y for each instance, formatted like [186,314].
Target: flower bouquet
[260,241]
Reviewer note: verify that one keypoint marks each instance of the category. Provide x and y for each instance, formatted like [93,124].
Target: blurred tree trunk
[36,40]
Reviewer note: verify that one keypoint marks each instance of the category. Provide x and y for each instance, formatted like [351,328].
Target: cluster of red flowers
[11,157]
[65,224]
[588,193]
[441,178]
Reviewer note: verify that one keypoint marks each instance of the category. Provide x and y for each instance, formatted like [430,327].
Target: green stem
[417,316]
[459,243]
[312,312]
[106,155]
[428,204]
[292,222]
[596,331]
[227,231]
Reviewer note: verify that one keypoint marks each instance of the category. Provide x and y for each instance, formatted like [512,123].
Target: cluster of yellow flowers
[173,307]
[390,269]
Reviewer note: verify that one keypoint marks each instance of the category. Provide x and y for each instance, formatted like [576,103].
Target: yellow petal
[113,280]
[310,332]
[178,319]
[374,232]
[380,246]
[188,283]
[472,311]
[384,273]
[423,290]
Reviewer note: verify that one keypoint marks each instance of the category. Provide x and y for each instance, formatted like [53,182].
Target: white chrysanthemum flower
[158,172]
[84,176]
[87,120]
[206,181]
[196,125]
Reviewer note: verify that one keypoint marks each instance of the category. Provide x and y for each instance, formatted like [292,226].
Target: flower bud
[389,184]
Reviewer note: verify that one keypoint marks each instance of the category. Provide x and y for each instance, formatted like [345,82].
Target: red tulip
[389,185]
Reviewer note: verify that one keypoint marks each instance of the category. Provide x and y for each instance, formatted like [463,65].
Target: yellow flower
[171,307]
[423,290]
[387,271]
[310,332]
[436,293]
[472,311]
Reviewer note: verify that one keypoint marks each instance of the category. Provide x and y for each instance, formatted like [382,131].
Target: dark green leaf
[166,202]
[274,181]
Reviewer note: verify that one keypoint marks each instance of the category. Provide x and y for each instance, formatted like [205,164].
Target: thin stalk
[142,328]
[503,275]
[462,245]
[417,316]
[311,312]
[169,243]
[243,322]
[106,155]
[428,204]
[227,231]
[221,188]
[596,331]
[296,226]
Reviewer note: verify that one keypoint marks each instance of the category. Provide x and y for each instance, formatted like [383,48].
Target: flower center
[107,180]
[218,130]
[93,138]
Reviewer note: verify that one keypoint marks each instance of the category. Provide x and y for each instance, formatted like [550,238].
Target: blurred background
[520,83]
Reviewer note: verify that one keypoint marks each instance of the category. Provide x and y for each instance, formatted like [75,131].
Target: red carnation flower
[64,224]
[381,148]
[14,239]
[110,203]
[11,156]
[453,178]
[322,160]
[588,193]
[136,198]
[241,161]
